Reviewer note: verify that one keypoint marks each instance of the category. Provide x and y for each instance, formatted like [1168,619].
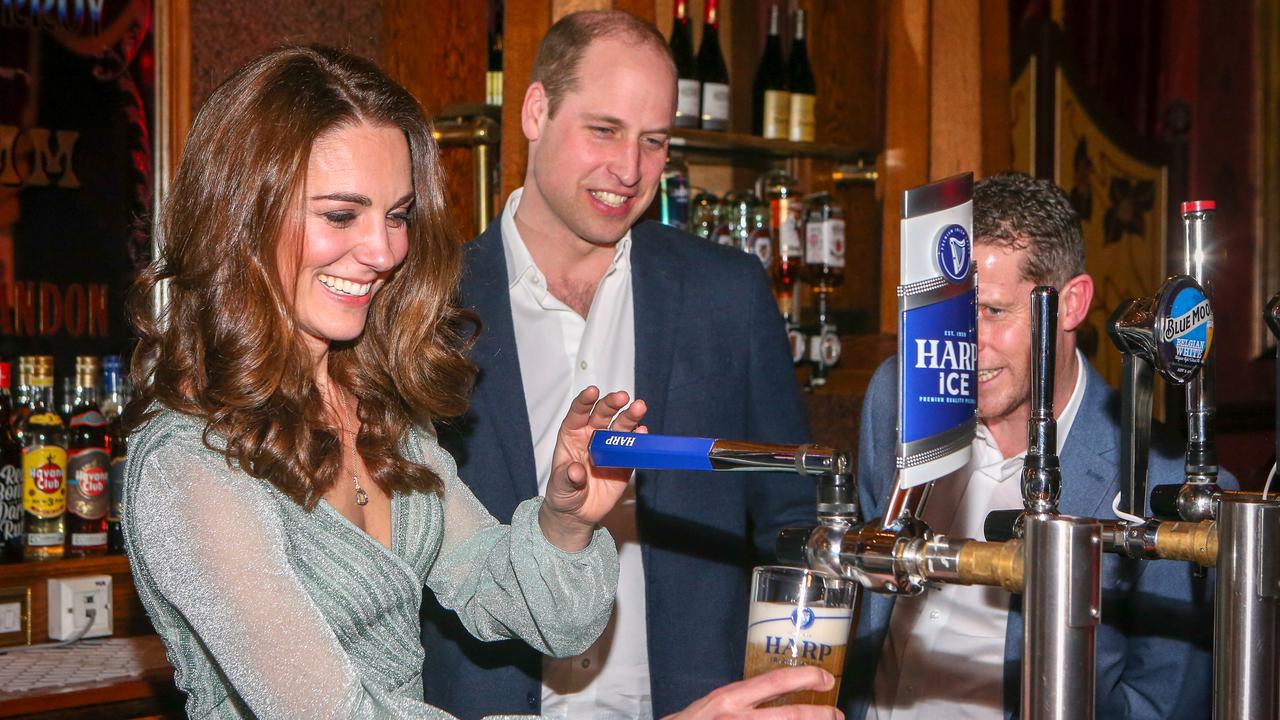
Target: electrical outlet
[73,600]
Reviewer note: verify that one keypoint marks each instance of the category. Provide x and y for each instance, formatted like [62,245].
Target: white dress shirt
[560,354]
[944,654]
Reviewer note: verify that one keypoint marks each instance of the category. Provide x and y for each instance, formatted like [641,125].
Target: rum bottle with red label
[88,465]
[44,468]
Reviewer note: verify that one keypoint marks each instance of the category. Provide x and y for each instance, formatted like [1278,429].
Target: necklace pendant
[362,497]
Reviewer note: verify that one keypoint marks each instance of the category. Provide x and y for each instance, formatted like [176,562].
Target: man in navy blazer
[1154,643]
[710,359]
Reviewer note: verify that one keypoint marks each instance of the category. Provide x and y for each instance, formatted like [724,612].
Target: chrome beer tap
[1195,498]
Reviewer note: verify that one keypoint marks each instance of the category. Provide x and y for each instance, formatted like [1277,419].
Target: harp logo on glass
[802,618]
[953,253]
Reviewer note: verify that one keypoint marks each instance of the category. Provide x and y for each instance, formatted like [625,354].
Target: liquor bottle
[688,87]
[739,207]
[786,225]
[115,397]
[493,72]
[22,400]
[713,73]
[770,99]
[88,466]
[723,234]
[704,215]
[66,397]
[759,241]
[10,477]
[824,243]
[802,85]
[44,469]
[673,192]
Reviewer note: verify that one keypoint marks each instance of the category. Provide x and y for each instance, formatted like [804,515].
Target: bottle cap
[87,370]
[1192,206]
[42,370]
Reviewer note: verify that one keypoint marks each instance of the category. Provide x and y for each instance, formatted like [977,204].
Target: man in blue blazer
[1154,643]
[565,284]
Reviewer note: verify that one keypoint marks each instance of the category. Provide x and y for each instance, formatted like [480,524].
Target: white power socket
[70,603]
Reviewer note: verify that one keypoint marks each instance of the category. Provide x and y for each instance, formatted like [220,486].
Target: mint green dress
[270,611]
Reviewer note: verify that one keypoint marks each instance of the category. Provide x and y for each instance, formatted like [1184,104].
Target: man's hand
[739,699]
[579,495]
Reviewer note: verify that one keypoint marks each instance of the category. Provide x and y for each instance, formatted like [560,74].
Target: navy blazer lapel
[499,392]
[655,297]
[1090,454]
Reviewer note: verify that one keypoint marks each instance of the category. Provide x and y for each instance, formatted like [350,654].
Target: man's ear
[1074,298]
[534,111]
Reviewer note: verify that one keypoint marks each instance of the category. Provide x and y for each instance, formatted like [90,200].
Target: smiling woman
[285,499]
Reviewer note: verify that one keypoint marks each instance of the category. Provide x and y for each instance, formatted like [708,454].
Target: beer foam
[796,624]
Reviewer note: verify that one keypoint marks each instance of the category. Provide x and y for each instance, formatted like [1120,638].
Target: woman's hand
[739,699]
[579,495]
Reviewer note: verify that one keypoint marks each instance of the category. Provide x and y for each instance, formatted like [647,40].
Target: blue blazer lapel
[655,295]
[1090,453]
[499,392]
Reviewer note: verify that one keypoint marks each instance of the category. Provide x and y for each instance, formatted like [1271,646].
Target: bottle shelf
[723,144]
[98,565]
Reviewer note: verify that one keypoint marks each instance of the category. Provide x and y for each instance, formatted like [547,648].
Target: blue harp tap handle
[644,451]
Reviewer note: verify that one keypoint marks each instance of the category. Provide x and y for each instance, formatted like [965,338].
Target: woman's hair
[227,350]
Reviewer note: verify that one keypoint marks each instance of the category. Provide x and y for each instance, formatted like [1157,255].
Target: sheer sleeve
[209,551]
[511,581]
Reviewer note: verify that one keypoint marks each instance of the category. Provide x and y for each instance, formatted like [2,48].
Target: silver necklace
[362,497]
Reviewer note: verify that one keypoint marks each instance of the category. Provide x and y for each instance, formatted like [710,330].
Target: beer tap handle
[1041,474]
[1132,330]
[610,448]
[1135,434]
[1002,525]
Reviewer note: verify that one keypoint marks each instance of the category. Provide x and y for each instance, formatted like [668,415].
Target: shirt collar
[1065,420]
[520,263]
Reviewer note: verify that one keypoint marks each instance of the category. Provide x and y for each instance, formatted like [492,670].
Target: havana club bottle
[44,469]
[10,477]
[88,465]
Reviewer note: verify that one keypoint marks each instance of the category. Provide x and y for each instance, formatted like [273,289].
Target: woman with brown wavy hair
[285,500]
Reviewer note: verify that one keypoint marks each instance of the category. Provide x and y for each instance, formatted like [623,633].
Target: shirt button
[934,614]
[583,365]
[586,663]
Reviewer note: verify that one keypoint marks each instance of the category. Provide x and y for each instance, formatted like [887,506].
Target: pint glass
[799,617]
